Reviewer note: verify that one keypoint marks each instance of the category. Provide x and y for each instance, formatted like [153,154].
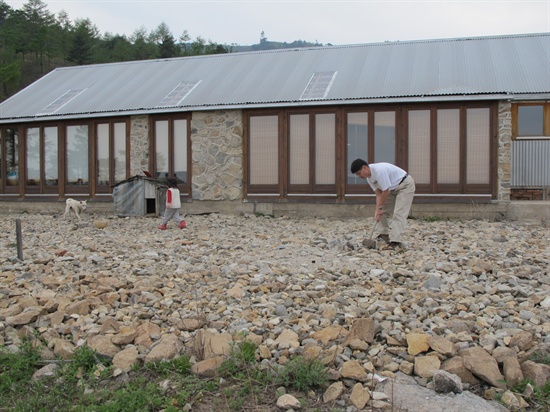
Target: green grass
[540,399]
[85,383]
[540,357]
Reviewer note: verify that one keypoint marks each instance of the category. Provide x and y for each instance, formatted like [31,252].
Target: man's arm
[381,197]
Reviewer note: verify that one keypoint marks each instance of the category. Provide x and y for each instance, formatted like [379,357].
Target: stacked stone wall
[217,155]
[504,166]
[139,144]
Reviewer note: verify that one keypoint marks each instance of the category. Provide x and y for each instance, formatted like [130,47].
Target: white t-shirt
[385,176]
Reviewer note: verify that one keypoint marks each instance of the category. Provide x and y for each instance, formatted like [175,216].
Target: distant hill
[274,45]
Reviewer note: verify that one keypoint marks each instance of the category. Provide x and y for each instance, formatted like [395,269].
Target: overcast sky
[335,22]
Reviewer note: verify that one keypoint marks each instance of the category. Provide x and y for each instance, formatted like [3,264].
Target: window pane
[51,156]
[384,137]
[299,149]
[325,149]
[161,145]
[180,150]
[530,120]
[358,136]
[264,150]
[33,157]
[419,145]
[477,141]
[120,151]
[448,148]
[12,157]
[77,155]
[103,154]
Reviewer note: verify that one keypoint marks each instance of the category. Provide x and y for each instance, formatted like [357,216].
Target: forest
[34,41]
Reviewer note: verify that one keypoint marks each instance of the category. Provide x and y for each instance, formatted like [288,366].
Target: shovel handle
[372,231]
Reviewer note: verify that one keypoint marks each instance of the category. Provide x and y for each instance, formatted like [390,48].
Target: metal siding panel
[530,163]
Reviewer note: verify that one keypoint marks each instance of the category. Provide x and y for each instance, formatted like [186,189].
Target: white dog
[76,205]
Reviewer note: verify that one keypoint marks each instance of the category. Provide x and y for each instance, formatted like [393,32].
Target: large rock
[417,343]
[361,329]
[359,396]
[483,365]
[167,348]
[405,394]
[333,392]
[538,373]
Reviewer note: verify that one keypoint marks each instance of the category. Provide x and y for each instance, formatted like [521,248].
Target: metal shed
[138,196]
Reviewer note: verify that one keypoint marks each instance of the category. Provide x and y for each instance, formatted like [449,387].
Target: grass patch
[303,374]
[431,219]
[85,383]
[540,357]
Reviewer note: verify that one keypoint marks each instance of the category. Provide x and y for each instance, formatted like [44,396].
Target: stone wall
[504,150]
[139,144]
[217,155]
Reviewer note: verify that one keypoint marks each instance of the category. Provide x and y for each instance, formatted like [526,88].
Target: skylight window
[61,101]
[180,92]
[319,85]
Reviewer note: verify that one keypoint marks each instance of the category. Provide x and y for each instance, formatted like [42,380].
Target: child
[173,204]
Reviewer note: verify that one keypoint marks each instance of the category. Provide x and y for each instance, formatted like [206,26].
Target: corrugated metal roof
[447,69]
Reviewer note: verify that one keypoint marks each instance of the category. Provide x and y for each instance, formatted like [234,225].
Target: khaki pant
[397,207]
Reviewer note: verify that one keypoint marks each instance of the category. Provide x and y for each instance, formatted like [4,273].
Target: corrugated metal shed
[448,69]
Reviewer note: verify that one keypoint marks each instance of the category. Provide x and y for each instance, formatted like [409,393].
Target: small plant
[303,374]
[260,214]
[240,361]
[432,219]
[540,397]
[17,367]
[540,357]
[180,365]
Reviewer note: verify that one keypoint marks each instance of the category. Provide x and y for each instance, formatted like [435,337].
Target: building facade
[287,130]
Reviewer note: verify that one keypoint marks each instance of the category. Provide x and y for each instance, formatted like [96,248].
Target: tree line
[34,41]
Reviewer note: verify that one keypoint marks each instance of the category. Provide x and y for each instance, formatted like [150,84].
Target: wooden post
[19,239]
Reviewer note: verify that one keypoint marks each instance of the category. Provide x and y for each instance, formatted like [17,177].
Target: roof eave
[296,103]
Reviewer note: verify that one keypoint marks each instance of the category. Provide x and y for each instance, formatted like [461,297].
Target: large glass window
[77,155]
[33,157]
[531,120]
[111,154]
[357,142]
[162,150]
[419,157]
[171,144]
[264,150]
[102,154]
[41,160]
[10,158]
[448,146]
[51,156]
[384,137]
[325,149]
[478,140]
[299,149]
[180,148]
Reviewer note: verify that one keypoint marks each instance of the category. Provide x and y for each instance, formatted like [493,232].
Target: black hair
[357,165]
[172,182]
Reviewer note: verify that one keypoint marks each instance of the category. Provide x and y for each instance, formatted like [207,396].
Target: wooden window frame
[185,187]
[545,121]
[17,189]
[96,188]
[41,188]
[356,192]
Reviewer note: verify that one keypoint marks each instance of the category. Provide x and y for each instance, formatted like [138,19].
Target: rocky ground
[462,308]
